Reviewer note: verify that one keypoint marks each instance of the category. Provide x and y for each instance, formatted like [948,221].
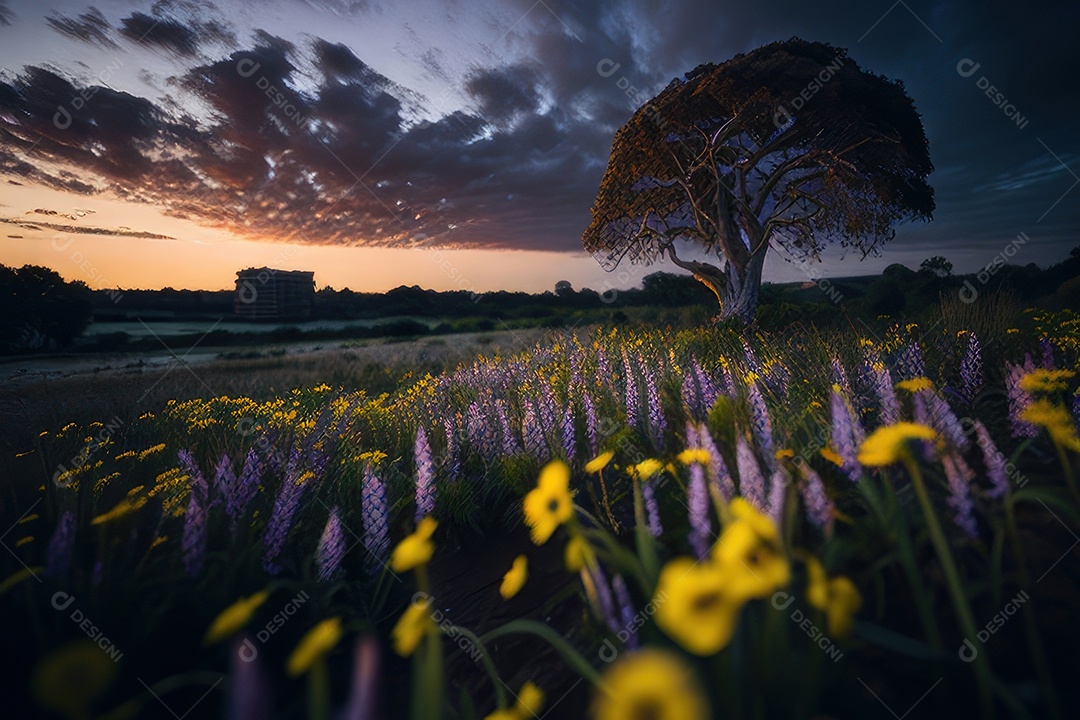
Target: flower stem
[983,674]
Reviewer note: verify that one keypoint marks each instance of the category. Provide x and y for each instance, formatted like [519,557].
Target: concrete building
[268,294]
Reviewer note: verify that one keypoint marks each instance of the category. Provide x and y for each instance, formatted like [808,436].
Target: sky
[458,144]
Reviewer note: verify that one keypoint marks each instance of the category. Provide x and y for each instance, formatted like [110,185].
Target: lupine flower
[376,513]
[971,370]
[994,461]
[840,377]
[532,434]
[909,363]
[246,486]
[364,688]
[604,602]
[719,476]
[777,494]
[285,506]
[657,422]
[603,372]
[846,435]
[627,612]
[778,379]
[944,420]
[425,476]
[61,546]
[652,509]
[725,374]
[631,391]
[1047,348]
[751,481]
[453,462]
[248,691]
[886,396]
[591,432]
[697,496]
[819,507]
[706,386]
[509,443]
[331,547]
[224,478]
[567,435]
[194,538]
[752,361]
[1019,399]
[959,476]
[762,424]
[691,397]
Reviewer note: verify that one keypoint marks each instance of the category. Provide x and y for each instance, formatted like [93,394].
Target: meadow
[616,522]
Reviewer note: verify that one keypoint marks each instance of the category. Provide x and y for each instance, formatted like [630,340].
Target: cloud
[504,93]
[7,16]
[90,27]
[82,229]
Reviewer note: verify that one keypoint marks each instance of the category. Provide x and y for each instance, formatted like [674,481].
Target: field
[611,521]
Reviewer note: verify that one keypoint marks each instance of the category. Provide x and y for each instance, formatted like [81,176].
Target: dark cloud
[6,15]
[180,27]
[90,27]
[504,93]
[80,229]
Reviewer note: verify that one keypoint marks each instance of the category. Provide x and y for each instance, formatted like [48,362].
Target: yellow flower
[914,385]
[318,641]
[829,454]
[837,597]
[515,577]
[549,505]
[411,628]
[1056,420]
[693,605]
[530,700]
[889,444]
[416,549]
[750,553]
[650,683]
[694,455]
[125,506]
[1046,381]
[599,462]
[578,554]
[646,468]
[68,680]
[233,617]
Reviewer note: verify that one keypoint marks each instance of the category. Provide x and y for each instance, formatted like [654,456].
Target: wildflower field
[635,523]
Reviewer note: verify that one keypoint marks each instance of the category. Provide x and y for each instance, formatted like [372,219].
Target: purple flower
[243,490]
[762,425]
[248,692]
[697,501]
[591,431]
[364,689]
[509,442]
[959,476]
[909,363]
[819,508]
[224,477]
[944,420]
[1019,399]
[752,361]
[450,425]
[840,377]
[719,476]
[603,372]
[331,547]
[706,386]
[657,422]
[994,461]
[886,396]
[631,391]
[292,489]
[61,547]
[425,476]
[566,433]
[971,370]
[729,382]
[847,435]
[193,542]
[691,397]
[604,600]
[1047,348]
[751,481]
[778,483]
[376,517]
[627,612]
[652,508]
[532,434]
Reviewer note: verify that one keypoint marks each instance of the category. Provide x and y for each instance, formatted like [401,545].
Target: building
[268,294]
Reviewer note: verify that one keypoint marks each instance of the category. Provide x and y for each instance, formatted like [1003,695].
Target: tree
[39,311]
[936,266]
[791,146]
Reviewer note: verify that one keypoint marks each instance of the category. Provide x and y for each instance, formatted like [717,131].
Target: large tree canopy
[791,146]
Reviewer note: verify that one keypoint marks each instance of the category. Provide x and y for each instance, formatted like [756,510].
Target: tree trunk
[739,297]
